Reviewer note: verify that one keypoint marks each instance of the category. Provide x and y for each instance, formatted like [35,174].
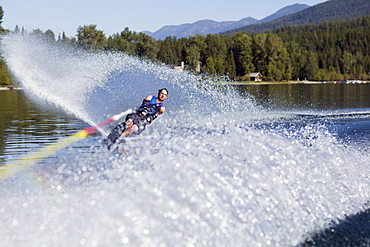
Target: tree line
[5,77]
[328,51]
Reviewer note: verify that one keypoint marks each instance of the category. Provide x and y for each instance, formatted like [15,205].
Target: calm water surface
[26,125]
[311,96]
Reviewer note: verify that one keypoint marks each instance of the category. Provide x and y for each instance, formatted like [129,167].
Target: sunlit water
[217,169]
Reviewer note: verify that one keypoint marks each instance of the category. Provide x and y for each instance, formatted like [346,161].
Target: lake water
[267,165]
[25,126]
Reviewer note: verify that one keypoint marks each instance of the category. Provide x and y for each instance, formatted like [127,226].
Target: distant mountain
[199,27]
[213,27]
[285,11]
[333,10]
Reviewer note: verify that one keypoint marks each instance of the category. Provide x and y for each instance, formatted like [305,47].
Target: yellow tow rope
[15,166]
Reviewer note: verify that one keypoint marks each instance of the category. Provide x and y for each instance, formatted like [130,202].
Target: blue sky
[112,16]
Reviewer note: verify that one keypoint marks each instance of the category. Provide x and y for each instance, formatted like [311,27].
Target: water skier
[136,122]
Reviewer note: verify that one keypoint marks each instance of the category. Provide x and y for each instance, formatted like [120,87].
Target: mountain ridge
[332,10]
[207,26]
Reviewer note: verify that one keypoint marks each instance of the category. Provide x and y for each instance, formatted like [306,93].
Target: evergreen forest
[5,77]
[328,51]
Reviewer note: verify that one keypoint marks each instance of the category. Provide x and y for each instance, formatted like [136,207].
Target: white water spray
[201,175]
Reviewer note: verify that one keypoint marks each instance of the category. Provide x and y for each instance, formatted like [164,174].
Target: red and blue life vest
[150,108]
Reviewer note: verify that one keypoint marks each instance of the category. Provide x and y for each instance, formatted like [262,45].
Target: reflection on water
[310,96]
[25,126]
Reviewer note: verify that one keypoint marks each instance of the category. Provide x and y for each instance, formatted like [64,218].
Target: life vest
[150,108]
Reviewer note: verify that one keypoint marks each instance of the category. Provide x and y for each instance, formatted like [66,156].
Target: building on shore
[256,76]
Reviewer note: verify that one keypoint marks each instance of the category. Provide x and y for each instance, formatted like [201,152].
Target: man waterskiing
[136,122]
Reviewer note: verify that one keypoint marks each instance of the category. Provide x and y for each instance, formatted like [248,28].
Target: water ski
[114,136]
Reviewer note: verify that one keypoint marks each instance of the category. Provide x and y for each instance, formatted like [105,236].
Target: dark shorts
[137,118]
[140,120]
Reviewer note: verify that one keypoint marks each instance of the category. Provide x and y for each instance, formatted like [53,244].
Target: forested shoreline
[5,76]
[329,51]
